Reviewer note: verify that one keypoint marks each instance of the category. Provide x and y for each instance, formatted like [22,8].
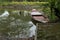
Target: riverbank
[22,5]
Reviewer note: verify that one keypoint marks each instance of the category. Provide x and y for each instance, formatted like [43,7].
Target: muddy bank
[19,7]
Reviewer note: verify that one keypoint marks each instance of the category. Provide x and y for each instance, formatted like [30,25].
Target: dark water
[49,31]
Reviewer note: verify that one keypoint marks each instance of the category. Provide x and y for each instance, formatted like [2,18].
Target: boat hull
[40,18]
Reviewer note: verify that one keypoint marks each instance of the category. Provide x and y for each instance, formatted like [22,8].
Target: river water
[50,31]
[17,22]
[13,23]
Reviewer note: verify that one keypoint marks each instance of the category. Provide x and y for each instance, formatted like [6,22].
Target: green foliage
[53,4]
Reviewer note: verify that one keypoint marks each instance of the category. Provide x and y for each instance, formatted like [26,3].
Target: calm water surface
[49,31]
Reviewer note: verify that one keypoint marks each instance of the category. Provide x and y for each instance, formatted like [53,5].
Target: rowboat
[40,18]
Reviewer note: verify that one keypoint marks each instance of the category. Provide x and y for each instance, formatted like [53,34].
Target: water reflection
[16,12]
[4,15]
[16,25]
[32,29]
[25,13]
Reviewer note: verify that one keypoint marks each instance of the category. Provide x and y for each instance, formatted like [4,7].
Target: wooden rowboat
[40,18]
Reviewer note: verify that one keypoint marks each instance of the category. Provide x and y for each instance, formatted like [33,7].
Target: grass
[23,3]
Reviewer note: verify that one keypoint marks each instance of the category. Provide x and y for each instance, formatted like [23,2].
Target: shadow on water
[49,31]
